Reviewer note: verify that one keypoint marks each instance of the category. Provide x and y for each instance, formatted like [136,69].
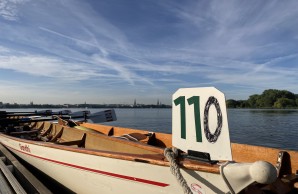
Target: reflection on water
[266,127]
[273,111]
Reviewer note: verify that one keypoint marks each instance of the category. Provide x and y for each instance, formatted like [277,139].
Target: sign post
[200,123]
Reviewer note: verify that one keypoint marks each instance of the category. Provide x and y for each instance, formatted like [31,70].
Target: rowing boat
[95,158]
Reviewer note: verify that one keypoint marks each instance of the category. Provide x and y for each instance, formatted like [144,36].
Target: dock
[15,178]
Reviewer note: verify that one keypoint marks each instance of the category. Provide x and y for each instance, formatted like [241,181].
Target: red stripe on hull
[97,171]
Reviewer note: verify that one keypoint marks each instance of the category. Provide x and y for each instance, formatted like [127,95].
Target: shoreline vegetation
[269,99]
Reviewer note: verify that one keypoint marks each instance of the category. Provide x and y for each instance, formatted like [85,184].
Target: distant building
[135,103]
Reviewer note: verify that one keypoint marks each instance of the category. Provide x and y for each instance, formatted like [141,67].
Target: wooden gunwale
[251,153]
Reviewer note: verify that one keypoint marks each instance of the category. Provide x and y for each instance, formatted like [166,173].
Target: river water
[265,127]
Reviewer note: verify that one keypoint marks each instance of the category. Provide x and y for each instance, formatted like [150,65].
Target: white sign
[200,122]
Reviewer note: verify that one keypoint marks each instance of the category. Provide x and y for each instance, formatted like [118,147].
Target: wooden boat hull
[83,172]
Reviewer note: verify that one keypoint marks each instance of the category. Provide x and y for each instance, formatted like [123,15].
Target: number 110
[195,100]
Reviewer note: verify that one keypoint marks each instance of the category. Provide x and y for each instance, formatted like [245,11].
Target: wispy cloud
[156,47]
[9,9]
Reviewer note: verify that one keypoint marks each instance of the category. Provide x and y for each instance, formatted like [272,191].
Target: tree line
[270,98]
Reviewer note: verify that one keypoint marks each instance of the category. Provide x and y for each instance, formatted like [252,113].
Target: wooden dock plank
[30,183]
[11,179]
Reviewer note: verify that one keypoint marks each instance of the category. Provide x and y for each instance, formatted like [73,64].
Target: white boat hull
[86,173]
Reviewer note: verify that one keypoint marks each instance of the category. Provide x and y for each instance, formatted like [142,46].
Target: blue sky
[115,51]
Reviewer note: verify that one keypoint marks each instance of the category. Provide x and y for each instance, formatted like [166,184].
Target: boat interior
[112,139]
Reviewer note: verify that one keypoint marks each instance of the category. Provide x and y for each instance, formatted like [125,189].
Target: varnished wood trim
[250,153]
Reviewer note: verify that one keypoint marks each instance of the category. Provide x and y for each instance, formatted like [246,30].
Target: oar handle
[4,114]
[102,116]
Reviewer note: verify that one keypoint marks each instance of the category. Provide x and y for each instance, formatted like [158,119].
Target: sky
[116,51]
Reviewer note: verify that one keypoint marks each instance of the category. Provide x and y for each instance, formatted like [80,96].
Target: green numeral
[181,101]
[195,100]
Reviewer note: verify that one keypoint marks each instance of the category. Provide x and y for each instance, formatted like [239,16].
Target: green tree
[287,94]
[284,103]
[232,103]
[252,100]
[269,97]
[243,104]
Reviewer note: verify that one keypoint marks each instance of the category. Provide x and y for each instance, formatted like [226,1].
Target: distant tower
[158,103]
[135,103]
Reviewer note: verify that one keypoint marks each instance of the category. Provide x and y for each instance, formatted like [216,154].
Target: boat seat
[32,125]
[79,142]
[106,143]
[138,137]
[39,125]
[54,133]
[46,129]
[71,136]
